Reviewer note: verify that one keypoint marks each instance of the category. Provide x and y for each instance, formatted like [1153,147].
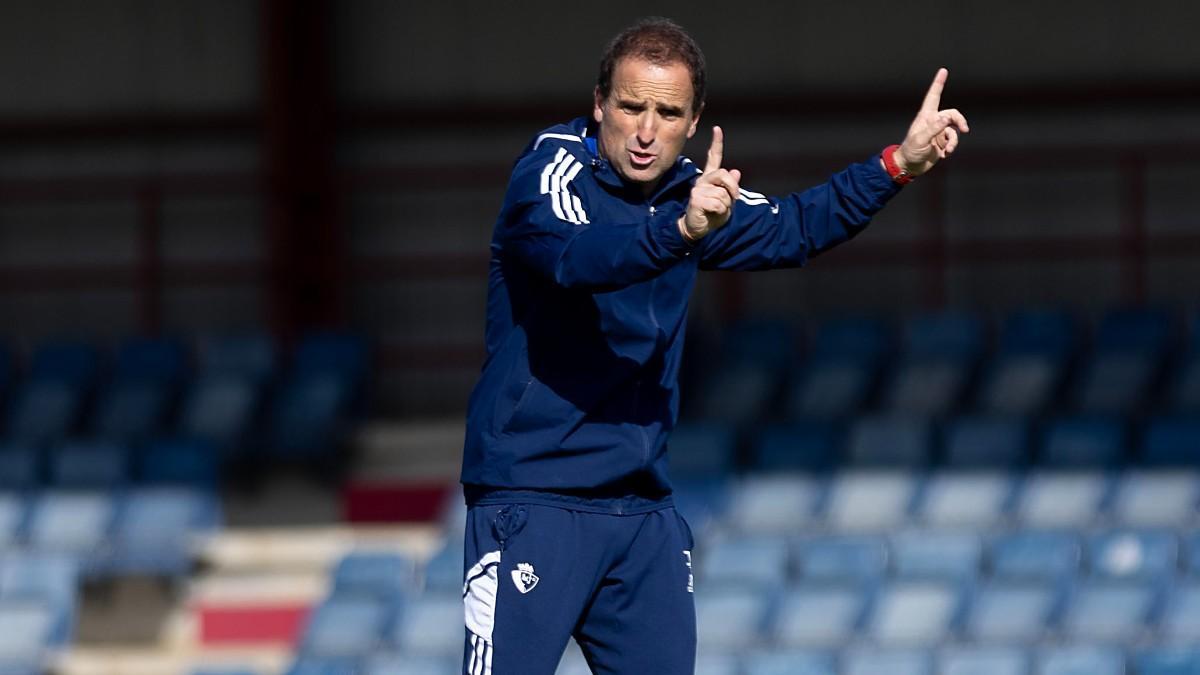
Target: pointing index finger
[716,151]
[933,97]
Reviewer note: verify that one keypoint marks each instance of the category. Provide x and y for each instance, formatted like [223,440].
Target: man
[570,527]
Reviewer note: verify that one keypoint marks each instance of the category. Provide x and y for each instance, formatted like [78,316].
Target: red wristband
[899,176]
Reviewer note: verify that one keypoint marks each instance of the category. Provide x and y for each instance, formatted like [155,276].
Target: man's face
[646,119]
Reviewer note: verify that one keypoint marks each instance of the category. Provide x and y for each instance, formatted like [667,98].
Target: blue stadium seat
[1031,359]
[131,411]
[1010,613]
[220,409]
[308,664]
[984,661]
[393,663]
[50,402]
[773,503]
[1075,442]
[29,630]
[702,450]
[759,560]
[191,462]
[252,356]
[221,405]
[1129,352]
[841,370]
[50,577]
[798,446]
[135,403]
[322,393]
[889,441]
[713,663]
[1171,441]
[1180,660]
[1062,499]
[310,416]
[90,464]
[887,662]
[1183,385]
[731,617]
[818,616]
[157,527]
[431,623]
[987,442]
[20,466]
[443,572]
[867,501]
[909,614]
[977,500]
[71,522]
[940,352]
[1180,621]
[1156,498]
[702,503]
[1108,611]
[1191,544]
[740,393]
[1035,555]
[1146,555]
[346,627]
[861,560]
[755,356]
[13,511]
[788,662]
[333,351]
[1081,660]
[936,555]
[376,574]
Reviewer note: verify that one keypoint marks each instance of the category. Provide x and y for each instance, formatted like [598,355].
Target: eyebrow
[663,108]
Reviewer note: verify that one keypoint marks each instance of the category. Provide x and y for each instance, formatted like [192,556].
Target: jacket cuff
[664,228]
[878,179]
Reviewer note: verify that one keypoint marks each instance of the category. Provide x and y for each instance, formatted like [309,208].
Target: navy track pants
[620,584]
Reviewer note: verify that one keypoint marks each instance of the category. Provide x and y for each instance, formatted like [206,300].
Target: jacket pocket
[539,408]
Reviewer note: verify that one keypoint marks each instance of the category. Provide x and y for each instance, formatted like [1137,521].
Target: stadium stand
[1025,525]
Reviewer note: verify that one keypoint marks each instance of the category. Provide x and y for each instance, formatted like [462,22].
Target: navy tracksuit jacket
[571,531]
[587,305]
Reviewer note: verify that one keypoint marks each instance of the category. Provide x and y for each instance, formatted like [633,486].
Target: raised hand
[934,133]
[713,193]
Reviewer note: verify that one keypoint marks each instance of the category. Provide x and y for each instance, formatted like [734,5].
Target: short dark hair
[660,41]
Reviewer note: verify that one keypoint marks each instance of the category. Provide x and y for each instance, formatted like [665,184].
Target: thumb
[716,151]
[737,175]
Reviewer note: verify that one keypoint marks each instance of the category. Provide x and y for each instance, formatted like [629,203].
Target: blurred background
[243,254]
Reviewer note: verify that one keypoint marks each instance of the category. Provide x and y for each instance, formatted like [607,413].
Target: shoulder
[560,139]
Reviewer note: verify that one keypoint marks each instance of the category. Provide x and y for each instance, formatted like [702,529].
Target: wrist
[894,165]
[685,232]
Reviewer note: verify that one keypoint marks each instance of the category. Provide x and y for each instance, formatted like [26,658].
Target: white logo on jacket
[524,578]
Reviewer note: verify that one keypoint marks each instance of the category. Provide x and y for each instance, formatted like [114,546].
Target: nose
[646,128]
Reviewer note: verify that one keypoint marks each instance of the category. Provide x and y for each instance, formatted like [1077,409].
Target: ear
[597,106]
[695,122]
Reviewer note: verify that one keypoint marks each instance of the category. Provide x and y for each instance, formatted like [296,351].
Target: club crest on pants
[524,578]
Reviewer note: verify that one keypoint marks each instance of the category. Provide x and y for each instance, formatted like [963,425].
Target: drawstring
[508,523]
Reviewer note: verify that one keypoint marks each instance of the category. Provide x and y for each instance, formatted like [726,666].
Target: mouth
[641,160]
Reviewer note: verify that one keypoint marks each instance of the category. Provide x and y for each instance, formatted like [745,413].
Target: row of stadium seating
[51,542]
[1066,660]
[700,449]
[233,395]
[945,363]
[373,622]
